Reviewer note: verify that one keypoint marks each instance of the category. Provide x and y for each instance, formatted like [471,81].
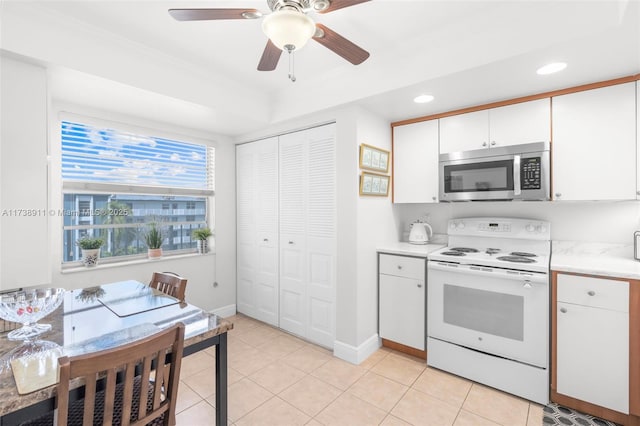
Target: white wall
[595,221]
[375,223]
[23,174]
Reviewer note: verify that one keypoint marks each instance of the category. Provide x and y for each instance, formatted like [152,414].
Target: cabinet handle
[558,194]
[591,293]
[493,143]
[563,310]
[638,192]
[266,240]
[399,266]
[434,198]
[419,285]
[290,242]
[484,144]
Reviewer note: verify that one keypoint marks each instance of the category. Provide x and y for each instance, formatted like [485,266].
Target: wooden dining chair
[169,283]
[133,384]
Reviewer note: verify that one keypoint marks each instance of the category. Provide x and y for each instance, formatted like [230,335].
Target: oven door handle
[486,271]
[516,175]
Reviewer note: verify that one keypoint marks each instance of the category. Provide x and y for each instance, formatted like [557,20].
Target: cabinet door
[525,122]
[402,310]
[593,355]
[594,144]
[415,163]
[464,132]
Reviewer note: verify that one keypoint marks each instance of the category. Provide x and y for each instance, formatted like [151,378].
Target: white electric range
[488,304]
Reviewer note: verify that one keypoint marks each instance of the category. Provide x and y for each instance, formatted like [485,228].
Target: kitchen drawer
[402,266]
[596,292]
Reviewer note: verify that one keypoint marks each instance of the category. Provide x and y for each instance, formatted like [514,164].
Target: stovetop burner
[464,250]
[522,254]
[491,251]
[453,253]
[516,259]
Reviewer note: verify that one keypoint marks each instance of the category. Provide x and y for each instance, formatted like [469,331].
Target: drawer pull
[591,293]
[399,266]
[291,242]
[419,285]
[266,240]
[563,310]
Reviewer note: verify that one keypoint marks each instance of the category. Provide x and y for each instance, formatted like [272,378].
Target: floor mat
[555,414]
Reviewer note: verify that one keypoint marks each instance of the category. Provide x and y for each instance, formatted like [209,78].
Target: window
[114,183]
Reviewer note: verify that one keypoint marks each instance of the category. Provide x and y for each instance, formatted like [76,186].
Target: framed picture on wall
[372,158]
[373,184]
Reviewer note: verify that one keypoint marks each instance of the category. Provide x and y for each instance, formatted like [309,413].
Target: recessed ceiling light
[423,99]
[551,68]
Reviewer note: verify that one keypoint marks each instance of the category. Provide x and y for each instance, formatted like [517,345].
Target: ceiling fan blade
[340,45]
[212,14]
[340,4]
[270,57]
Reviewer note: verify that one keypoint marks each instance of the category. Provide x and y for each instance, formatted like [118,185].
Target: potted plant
[201,235]
[153,238]
[90,247]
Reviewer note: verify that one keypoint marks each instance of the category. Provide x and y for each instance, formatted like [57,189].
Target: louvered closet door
[246,229]
[257,224]
[307,234]
[266,201]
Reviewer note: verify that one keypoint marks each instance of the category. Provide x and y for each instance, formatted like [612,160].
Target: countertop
[604,259]
[406,249]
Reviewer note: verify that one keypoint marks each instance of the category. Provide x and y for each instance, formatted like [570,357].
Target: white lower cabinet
[402,297]
[593,340]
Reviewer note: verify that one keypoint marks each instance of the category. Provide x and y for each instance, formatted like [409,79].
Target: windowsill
[99,266]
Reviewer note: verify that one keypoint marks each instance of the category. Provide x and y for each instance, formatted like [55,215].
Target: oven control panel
[501,227]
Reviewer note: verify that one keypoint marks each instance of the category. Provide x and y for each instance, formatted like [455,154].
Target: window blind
[92,155]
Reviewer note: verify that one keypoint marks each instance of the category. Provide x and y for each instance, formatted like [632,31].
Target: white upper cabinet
[515,124]
[415,162]
[594,144]
[464,132]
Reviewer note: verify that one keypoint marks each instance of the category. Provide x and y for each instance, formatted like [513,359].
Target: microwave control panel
[530,171]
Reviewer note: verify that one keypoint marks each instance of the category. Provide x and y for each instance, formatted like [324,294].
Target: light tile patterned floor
[276,379]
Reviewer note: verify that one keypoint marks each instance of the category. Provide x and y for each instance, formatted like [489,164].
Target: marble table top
[82,319]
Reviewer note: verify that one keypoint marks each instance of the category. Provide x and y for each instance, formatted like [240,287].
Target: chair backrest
[169,283]
[136,399]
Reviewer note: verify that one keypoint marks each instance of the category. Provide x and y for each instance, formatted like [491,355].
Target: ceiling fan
[288,27]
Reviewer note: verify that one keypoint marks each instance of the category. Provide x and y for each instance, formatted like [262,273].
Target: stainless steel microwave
[516,172]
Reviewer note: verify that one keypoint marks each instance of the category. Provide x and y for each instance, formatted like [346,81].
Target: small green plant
[90,243]
[201,234]
[153,237]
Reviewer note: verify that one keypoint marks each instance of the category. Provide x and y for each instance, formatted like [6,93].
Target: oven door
[493,310]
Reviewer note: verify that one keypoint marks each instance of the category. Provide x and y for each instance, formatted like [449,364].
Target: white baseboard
[355,355]
[225,311]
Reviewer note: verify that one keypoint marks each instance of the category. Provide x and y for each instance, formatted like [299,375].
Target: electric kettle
[419,234]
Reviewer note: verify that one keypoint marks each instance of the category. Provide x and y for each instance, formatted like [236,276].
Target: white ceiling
[204,73]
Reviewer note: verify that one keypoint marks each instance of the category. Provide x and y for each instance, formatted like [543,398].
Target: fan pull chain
[292,75]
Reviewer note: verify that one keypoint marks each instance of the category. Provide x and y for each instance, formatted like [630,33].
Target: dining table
[95,318]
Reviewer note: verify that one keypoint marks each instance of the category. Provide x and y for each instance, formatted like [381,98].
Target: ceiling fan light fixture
[288,28]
